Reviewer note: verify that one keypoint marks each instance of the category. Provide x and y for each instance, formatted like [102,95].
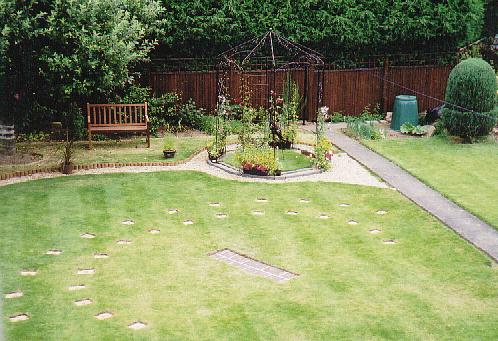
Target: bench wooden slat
[110,118]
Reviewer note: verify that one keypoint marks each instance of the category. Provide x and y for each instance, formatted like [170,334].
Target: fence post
[385,74]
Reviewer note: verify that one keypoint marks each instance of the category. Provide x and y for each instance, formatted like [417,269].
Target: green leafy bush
[337,117]
[365,130]
[471,94]
[166,110]
[371,113]
[160,109]
[408,128]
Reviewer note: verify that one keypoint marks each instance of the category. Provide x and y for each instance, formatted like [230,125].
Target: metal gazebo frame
[262,53]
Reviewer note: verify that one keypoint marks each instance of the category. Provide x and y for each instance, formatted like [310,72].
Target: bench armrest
[146,113]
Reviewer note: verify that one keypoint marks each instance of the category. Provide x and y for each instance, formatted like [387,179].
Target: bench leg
[90,140]
[148,138]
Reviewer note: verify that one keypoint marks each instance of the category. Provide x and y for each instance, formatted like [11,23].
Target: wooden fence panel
[346,91]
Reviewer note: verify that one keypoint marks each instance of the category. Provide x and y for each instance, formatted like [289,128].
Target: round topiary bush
[471,92]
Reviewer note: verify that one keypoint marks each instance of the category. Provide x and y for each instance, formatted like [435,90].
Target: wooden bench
[117,118]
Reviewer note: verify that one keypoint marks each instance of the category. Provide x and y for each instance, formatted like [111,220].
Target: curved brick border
[18,174]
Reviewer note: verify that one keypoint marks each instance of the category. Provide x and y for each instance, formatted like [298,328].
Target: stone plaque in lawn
[253,266]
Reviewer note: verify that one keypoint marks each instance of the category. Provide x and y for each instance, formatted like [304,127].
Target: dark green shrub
[187,115]
[472,85]
[167,110]
[471,97]
[468,125]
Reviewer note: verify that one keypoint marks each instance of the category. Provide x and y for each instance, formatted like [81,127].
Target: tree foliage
[377,26]
[61,53]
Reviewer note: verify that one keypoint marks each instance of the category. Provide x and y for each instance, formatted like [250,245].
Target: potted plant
[216,148]
[169,146]
[67,166]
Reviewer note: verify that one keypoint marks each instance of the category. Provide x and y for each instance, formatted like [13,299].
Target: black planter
[254,171]
[213,158]
[169,154]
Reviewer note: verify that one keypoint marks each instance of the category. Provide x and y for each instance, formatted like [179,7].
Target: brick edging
[18,174]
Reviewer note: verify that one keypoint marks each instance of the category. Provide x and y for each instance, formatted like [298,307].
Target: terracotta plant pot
[169,154]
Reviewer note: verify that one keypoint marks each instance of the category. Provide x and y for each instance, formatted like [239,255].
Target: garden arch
[259,67]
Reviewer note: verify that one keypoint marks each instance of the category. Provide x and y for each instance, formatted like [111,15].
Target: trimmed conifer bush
[471,92]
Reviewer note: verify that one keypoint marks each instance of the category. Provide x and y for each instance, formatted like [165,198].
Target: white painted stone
[172,211]
[154,231]
[352,222]
[381,212]
[375,231]
[292,213]
[100,255]
[390,241]
[103,315]
[344,205]
[29,272]
[85,301]
[123,242]
[137,325]
[76,287]
[221,215]
[87,235]
[214,204]
[85,271]
[54,252]
[261,200]
[188,222]
[305,200]
[324,216]
[257,212]
[128,222]
[14,294]
[19,317]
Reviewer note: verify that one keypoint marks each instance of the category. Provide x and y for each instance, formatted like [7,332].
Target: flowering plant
[259,159]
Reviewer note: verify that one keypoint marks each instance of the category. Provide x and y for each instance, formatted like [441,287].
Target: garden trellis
[257,63]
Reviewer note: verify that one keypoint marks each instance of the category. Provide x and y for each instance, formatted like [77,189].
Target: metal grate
[253,266]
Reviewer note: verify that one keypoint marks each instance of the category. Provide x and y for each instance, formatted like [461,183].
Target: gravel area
[344,169]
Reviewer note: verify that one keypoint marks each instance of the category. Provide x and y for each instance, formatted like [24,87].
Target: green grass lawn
[126,150]
[465,173]
[288,160]
[431,285]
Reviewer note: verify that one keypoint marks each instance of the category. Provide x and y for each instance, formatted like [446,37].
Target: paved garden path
[482,235]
